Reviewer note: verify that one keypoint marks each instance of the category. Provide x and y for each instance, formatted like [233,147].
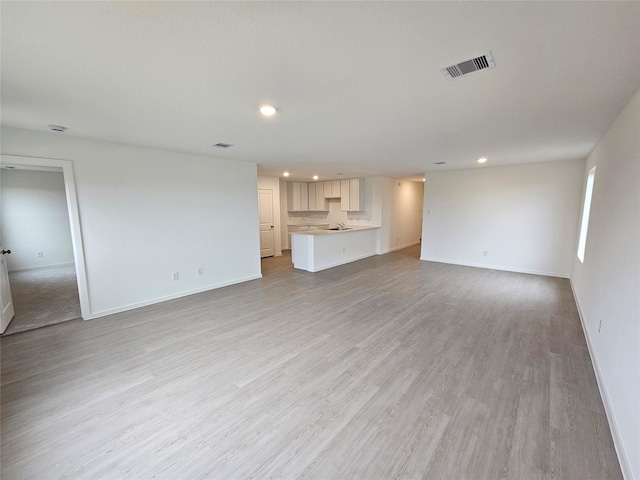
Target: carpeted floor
[42,297]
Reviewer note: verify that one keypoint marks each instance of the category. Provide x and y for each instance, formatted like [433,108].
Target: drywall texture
[525,217]
[607,285]
[146,213]
[35,219]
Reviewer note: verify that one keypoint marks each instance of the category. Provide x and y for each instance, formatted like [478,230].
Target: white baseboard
[132,306]
[39,267]
[611,418]
[497,267]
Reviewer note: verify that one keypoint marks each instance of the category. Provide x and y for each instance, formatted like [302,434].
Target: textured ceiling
[358,84]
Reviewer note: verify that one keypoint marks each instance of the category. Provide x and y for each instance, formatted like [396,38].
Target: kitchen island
[317,250]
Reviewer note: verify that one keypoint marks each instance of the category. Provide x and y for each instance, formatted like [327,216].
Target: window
[582,242]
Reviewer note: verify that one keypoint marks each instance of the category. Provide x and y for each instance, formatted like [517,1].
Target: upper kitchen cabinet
[326,189]
[331,189]
[306,197]
[356,194]
[297,196]
[322,205]
[345,201]
[312,197]
[293,196]
[352,195]
[335,188]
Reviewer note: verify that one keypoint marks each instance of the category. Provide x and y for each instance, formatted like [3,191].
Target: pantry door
[265,206]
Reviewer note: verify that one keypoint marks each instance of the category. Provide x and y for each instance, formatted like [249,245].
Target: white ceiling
[358,84]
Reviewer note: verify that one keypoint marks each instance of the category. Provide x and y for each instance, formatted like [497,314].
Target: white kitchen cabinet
[293,197]
[327,189]
[312,197]
[356,194]
[308,197]
[335,189]
[352,195]
[297,196]
[317,202]
[304,196]
[344,195]
[322,205]
[331,189]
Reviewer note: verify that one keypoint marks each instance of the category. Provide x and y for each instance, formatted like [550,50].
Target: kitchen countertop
[331,232]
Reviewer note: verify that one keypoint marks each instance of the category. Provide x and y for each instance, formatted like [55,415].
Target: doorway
[47,279]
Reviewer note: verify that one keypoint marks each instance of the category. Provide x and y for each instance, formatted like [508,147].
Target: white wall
[524,216]
[607,285]
[273,184]
[35,219]
[145,213]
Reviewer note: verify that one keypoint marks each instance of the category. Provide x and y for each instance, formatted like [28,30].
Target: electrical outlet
[200,270]
[600,326]
[40,254]
[485,253]
[175,276]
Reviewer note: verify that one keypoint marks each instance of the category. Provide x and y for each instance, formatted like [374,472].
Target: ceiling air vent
[469,66]
[439,163]
[222,145]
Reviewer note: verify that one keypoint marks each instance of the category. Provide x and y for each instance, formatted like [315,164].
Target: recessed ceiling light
[424,179]
[340,174]
[57,128]
[285,174]
[482,160]
[315,177]
[268,110]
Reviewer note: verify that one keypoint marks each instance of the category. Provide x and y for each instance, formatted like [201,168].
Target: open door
[6,302]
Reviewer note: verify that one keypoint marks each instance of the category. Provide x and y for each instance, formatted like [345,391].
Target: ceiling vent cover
[472,65]
[222,145]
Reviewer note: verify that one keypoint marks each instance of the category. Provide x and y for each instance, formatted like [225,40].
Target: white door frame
[74,218]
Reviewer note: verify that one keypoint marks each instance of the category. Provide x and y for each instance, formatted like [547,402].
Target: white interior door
[6,302]
[265,206]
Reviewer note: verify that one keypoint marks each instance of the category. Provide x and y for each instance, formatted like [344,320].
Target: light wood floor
[384,368]
[271,265]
